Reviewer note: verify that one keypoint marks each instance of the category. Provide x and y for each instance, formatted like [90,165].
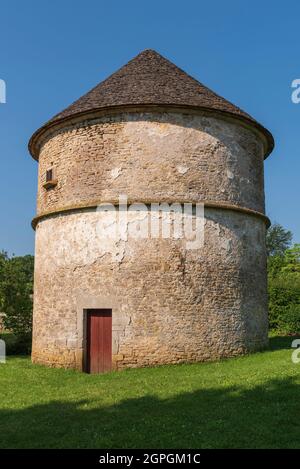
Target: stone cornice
[42,134]
[92,205]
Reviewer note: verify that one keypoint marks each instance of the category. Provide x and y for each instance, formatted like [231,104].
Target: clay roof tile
[151,79]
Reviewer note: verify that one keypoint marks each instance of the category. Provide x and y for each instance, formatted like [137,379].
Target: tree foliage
[3,259]
[284,281]
[16,293]
[278,240]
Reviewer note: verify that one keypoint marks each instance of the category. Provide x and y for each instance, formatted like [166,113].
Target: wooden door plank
[99,341]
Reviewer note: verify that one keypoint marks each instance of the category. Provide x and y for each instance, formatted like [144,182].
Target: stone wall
[169,303]
[153,156]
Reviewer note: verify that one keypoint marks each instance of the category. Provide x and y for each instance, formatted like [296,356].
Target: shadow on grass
[262,417]
[281,342]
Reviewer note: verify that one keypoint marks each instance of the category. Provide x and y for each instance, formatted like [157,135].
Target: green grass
[247,402]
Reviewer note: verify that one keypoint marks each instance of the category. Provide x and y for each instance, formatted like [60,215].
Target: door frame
[86,313]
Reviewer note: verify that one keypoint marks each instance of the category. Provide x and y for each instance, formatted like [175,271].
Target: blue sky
[53,52]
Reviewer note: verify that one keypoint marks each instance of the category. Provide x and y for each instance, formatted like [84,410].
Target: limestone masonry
[154,134]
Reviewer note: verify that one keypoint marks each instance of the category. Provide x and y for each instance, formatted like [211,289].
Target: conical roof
[150,79]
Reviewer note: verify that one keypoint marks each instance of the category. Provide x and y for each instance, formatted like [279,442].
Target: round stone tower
[149,147]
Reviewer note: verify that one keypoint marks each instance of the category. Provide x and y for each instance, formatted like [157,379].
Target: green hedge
[284,304]
[16,345]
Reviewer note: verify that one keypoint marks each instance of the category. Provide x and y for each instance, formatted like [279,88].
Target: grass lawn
[247,402]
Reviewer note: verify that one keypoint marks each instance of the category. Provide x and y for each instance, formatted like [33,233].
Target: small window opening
[49,175]
[50,179]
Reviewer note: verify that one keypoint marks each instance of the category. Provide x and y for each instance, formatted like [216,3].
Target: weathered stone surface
[154,134]
[169,304]
[209,303]
[153,157]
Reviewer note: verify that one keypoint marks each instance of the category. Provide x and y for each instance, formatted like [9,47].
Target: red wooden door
[99,340]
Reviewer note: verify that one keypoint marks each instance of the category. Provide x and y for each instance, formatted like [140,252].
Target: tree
[3,259]
[292,260]
[284,290]
[16,292]
[278,240]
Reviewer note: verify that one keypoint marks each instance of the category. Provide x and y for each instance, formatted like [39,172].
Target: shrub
[16,291]
[284,303]
[16,345]
[290,320]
